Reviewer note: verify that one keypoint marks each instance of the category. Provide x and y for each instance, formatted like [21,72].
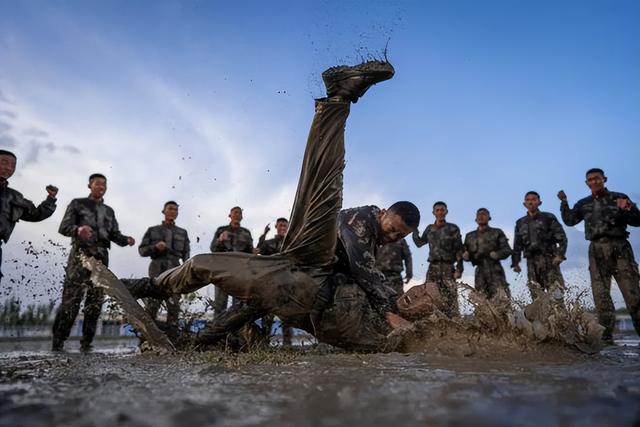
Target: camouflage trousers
[290,284]
[613,258]
[76,284]
[442,273]
[489,277]
[542,274]
[172,304]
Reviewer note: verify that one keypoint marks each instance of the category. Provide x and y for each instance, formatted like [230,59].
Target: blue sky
[209,103]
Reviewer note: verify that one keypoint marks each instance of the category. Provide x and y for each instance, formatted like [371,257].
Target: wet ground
[118,386]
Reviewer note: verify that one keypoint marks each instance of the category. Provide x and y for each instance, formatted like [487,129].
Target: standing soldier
[14,207]
[391,260]
[92,227]
[606,215]
[544,243]
[485,248]
[230,238]
[272,247]
[166,244]
[445,255]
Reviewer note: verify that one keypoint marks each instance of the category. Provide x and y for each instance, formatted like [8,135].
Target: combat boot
[348,83]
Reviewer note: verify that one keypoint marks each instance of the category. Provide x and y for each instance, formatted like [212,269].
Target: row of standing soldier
[92,227]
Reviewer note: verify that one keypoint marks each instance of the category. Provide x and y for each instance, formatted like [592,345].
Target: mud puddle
[316,388]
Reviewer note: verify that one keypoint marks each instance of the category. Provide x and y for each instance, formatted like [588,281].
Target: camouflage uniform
[489,274]
[541,238]
[391,259]
[14,207]
[610,253]
[178,248]
[239,240]
[303,285]
[445,258]
[102,220]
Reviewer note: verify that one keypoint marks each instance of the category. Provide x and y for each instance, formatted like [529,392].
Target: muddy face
[420,301]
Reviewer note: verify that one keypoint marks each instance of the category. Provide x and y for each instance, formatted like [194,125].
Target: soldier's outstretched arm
[31,213]
[419,240]
[570,216]
[408,260]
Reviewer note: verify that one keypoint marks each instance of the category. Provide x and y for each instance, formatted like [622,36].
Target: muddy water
[316,388]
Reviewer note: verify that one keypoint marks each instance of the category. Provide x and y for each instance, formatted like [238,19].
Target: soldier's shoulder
[245,230]
[549,215]
[521,220]
[584,200]
[221,228]
[181,230]
[453,226]
[618,195]
[13,193]
[471,233]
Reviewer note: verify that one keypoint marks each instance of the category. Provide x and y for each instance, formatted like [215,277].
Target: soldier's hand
[267,228]
[624,204]
[562,196]
[84,232]
[456,275]
[493,255]
[255,251]
[465,256]
[557,260]
[131,241]
[161,246]
[223,237]
[516,268]
[52,190]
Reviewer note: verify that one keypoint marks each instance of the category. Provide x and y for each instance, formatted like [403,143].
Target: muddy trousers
[76,284]
[489,277]
[285,284]
[613,258]
[542,275]
[221,301]
[442,274]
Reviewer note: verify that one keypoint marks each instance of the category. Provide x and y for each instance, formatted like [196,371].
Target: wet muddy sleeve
[419,240]
[42,212]
[408,260]
[633,216]
[146,248]
[459,249]
[116,236]
[186,253]
[559,236]
[68,225]
[516,256]
[570,216]
[362,266]
[216,245]
[504,250]
[249,247]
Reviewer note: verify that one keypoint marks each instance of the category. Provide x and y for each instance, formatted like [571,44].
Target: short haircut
[234,208]
[7,153]
[170,202]
[595,170]
[439,203]
[535,193]
[408,212]
[485,210]
[282,219]
[96,175]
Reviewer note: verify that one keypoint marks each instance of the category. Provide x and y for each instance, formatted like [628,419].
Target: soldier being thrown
[544,243]
[606,215]
[14,207]
[166,244]
[445,255]
[343,303]
[485,248]
[230,238]
[92,227]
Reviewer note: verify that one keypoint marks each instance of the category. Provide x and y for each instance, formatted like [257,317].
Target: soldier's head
[97,185]
[440,210]
[596,180]
[532,201]
[170,211]
[398,221]
[483,216]
[236,216]
[7,164]
[282,225]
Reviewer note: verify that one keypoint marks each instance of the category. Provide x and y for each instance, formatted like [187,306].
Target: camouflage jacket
[99,217]
[445,244]
[14,207]
[176,239]
[390,258]
[271,246]
[601,216]
[538,234]
[239,240]
[358,233]
[480,244]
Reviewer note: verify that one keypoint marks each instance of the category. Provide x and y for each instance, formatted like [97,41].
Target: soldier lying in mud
[324,280]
